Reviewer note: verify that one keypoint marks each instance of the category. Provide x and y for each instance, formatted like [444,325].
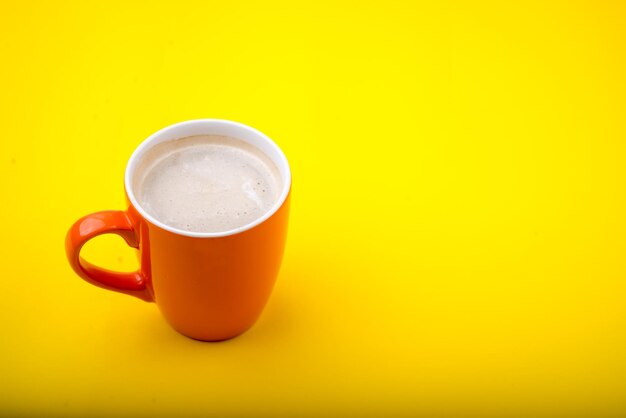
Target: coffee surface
[206,183]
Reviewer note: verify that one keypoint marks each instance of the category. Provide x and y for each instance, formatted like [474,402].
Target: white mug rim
[204,125]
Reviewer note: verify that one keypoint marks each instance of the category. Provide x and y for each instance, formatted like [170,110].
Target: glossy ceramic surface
[209,286]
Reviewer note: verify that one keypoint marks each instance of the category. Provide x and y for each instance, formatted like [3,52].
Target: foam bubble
[206,183]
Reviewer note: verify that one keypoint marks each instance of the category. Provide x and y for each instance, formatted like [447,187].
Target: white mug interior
[210,127]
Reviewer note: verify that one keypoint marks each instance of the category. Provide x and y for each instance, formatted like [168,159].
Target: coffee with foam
[206,183]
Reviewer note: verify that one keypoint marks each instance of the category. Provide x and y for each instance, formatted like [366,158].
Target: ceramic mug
[208,286]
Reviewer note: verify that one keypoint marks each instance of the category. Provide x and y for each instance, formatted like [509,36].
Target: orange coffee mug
[208,286]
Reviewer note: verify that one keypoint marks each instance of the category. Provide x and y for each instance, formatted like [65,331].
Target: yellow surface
[458,233]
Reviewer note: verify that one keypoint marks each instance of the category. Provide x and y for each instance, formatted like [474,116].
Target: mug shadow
[275,323]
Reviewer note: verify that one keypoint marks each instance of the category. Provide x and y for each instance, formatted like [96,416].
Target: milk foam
[206,183]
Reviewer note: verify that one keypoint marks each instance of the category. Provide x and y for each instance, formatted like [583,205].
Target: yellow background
[458,225]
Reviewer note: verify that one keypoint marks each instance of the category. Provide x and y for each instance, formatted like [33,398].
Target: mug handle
[106,222]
